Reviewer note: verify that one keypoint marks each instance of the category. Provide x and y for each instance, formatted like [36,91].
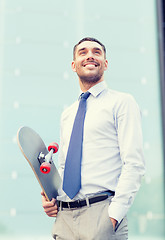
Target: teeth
[90,64]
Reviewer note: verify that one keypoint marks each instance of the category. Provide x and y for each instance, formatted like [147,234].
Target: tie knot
[85,95]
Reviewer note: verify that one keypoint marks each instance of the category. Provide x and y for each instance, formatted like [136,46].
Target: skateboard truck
[46,160]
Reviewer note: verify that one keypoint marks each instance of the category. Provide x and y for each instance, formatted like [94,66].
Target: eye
[97,52]
[82,53]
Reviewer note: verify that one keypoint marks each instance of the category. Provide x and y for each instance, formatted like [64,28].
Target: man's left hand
[114,221]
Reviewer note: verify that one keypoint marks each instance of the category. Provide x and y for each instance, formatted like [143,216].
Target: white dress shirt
[112,157]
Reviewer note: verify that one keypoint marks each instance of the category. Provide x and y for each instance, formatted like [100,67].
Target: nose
[90,55]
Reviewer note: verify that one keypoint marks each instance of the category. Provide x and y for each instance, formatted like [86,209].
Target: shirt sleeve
[129,130]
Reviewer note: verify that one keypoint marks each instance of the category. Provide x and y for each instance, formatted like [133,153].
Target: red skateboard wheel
[45,167]
[53,146]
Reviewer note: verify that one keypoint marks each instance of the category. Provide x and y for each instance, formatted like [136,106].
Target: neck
[85,86]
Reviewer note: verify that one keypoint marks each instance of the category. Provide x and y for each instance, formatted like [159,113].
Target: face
[89,62]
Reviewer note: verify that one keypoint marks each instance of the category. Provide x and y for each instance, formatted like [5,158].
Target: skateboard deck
[32,146]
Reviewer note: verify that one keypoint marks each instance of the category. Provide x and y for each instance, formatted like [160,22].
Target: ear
[105,65]
[73,65]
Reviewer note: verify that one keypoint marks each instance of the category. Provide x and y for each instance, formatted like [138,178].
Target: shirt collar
[97,89]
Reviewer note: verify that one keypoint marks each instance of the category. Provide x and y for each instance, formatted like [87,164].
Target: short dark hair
[91,40]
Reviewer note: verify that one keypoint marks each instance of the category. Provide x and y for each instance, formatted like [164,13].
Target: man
[112,163]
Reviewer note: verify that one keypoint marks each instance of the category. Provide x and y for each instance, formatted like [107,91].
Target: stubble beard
[90,79]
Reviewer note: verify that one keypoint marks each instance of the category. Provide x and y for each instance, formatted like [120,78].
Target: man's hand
[50,208]
[114,221]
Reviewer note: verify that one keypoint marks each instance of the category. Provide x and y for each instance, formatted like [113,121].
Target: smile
[90,63]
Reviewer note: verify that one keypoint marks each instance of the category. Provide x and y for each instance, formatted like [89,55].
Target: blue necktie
[72,171]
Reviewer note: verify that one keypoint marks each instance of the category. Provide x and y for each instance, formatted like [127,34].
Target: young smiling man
[112,162]
[89,63]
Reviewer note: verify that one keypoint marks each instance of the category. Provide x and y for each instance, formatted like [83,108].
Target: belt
[81,203]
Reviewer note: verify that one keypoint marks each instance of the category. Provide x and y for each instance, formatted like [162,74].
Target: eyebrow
[95,48]
[81,49]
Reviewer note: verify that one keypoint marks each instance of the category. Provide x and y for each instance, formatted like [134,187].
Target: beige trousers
[88,223]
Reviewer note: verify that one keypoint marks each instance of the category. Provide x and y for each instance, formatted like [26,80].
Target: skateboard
[40,160]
